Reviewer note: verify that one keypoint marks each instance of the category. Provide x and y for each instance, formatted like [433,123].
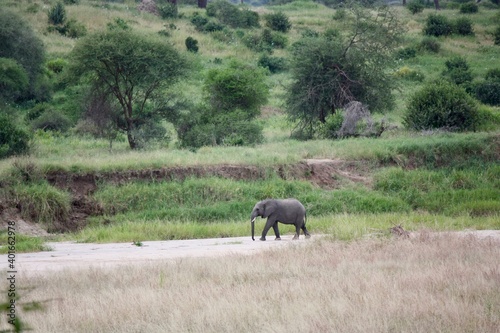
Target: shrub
[437,25]
[488,91]
[469,8]
[429,44]
[51,120]
[13,140]
[273,64]
[14,81]
[73,29]
[441,105]
[57,65]
[191,44]
[409,74]
[57,14]
[231,15]
[330,129]
[406,53]
[278,22]
[457,71]
[415,7]
[463,26]
[168,10]
[496,35]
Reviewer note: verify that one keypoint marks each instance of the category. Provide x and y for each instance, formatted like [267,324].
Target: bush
[168,10]
[409,74]
[406,53]
[191,44]
[463,26]
[13,140]
[469,8]
[429,44]
[457,71]
[415,7]
[51,120]
[278,22]
[14,81]
[437,25]
[273,64]
[441,105]
[488,91]
[330,129]
[496,35]
[73,29]
[57,65]
[57,14]
[230,14]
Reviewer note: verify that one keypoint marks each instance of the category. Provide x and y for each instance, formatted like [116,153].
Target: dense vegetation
[110,86]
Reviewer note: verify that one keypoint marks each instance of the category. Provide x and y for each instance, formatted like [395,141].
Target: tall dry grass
[427,284]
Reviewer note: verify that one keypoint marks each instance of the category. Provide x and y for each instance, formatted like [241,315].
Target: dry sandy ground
[67,255]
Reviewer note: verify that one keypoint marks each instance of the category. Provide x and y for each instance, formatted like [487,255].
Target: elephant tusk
[253,220]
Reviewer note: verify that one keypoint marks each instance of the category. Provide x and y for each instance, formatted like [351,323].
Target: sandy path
[71,255]
[68,255]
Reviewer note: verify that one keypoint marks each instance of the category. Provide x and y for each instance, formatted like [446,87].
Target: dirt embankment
[325,173]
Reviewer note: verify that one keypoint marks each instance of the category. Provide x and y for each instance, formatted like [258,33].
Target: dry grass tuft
[424,284]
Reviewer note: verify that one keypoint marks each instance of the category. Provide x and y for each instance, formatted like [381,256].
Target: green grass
[345,227]
[23,243]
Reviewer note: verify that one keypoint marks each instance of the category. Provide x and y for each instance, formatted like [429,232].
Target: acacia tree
[130,67]
[336,68]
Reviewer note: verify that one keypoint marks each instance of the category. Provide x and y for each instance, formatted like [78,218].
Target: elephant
[287,211]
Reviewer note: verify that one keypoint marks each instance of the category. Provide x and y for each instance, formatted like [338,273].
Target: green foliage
[406,53]
[441,105]
[332,125]
[131,68]
[232,15]
[204,24]
[330,72]
[41,202]
[24,244]
[191,44]
[14,80]
[237,86]
[57,14]
[409,74]
[449,191]
[13,139]
[488,91]
[463,26]
[19,42]
[51,120]
[57,65]
[273,64]
[496,35]
[437,25]
[168,10]
[429,44]
[457,71]
[266,40]
[469,8]
[278,21]
[118,23]
[415,6]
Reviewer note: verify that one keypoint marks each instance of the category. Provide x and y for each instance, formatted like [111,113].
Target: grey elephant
[287,211]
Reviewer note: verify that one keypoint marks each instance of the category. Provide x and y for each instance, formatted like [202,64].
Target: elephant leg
[297,232]
[304,229]
[270,222]
[276,231]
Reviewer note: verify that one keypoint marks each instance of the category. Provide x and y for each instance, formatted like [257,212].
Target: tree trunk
[436,4]
[202,3]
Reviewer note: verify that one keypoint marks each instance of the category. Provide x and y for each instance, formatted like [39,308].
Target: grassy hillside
[433,180]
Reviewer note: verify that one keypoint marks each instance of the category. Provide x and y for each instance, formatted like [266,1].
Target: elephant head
[258,210]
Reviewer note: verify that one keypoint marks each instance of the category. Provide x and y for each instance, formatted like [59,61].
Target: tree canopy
[133,69]
[335,68]
[19,42]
